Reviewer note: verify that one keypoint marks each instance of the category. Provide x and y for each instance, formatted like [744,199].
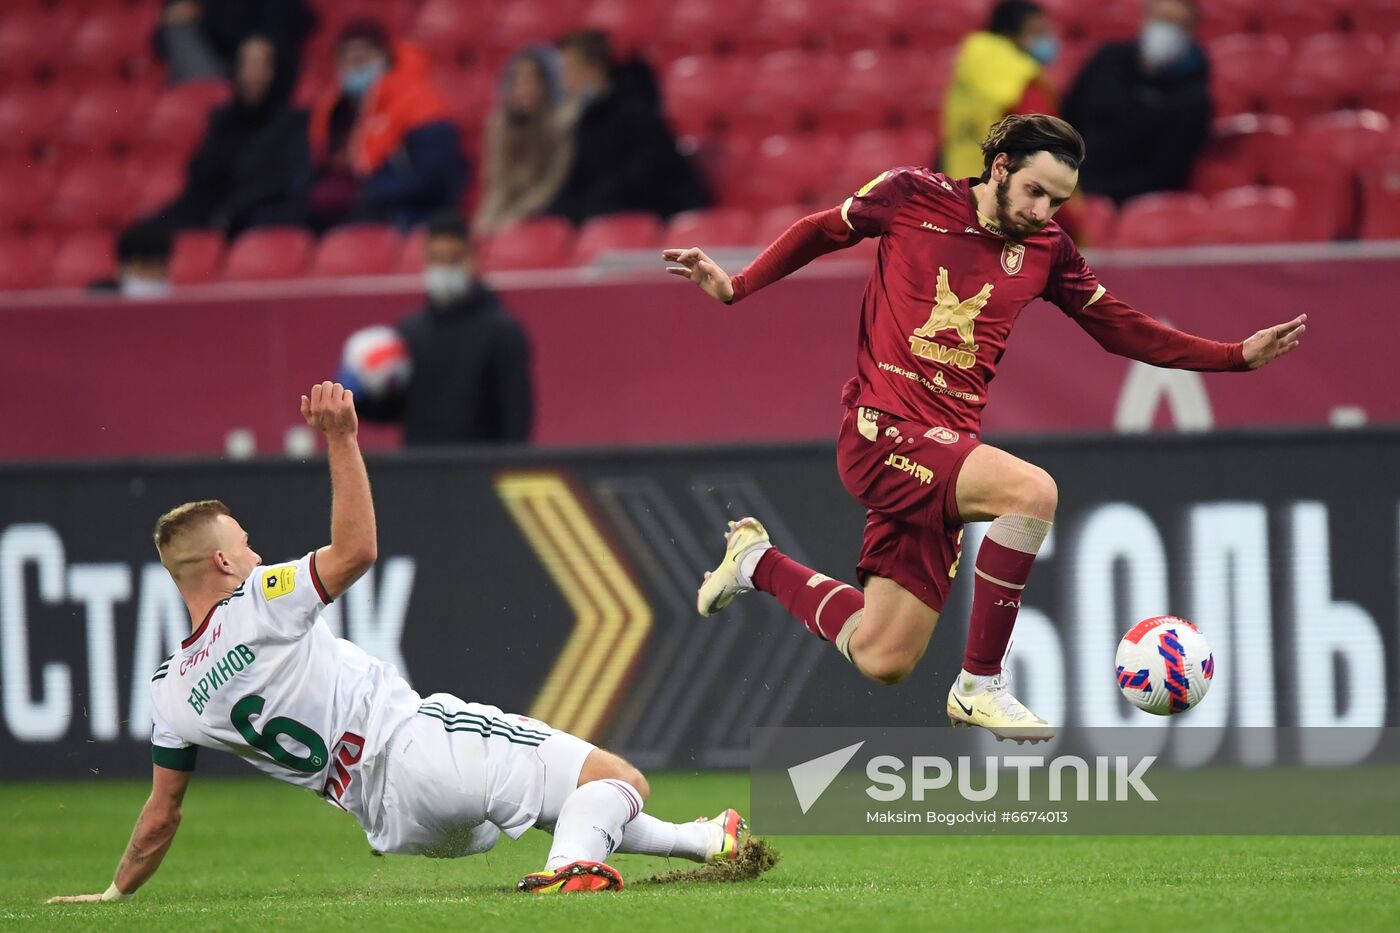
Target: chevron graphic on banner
[612,617]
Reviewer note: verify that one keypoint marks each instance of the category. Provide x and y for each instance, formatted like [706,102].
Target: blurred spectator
[383,144]
[624,158]
[471,361]
[253,167]
[998,71]
[527,143]
[1143,107]
[143,263]
[201,38]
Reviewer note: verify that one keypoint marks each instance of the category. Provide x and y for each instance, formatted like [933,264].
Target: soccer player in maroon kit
[958,261]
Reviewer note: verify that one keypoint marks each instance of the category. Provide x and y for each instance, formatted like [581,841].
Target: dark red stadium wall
[655,362]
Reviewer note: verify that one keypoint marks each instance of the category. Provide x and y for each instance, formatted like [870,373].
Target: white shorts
[459,774]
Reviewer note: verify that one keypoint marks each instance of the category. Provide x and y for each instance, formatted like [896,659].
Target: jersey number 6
[266,742]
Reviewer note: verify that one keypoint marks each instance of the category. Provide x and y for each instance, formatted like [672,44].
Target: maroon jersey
[939,308]
[946,291]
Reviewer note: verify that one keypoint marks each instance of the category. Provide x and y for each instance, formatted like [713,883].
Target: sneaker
[571,878]
[733,829]
[723,583]
[987,702]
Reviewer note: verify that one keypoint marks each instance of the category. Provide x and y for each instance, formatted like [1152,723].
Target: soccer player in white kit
[262,676]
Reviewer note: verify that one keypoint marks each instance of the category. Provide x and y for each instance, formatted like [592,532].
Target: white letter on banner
[1147,386]
[1112,535]
[1325,630]
[99,587]
[162,622]
[47,718]
[376,624]
[1230,603]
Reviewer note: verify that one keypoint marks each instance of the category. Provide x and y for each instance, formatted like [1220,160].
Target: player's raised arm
[150,840]
[330,409]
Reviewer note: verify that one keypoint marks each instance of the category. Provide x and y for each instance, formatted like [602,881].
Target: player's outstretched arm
[150,840]
[696,267]
[330,409]
[1273,342]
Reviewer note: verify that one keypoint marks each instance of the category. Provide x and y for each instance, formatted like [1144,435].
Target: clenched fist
[330,409]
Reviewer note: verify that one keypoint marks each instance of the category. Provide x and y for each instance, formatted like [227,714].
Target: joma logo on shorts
[917,470]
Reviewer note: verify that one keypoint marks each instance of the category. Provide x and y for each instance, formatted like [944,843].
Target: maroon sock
[820,603]
[995,603]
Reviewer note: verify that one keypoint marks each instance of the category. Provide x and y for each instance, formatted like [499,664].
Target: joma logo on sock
[1008,603]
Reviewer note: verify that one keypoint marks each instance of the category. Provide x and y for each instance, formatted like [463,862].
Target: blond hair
[178,526]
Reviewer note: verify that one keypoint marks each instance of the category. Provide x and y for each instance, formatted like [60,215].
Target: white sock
[749,563]
[646,835]
[591,822]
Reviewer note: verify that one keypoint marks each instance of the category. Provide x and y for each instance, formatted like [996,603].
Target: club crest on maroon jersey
[1013,256]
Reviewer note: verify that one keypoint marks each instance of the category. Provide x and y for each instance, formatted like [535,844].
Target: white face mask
[140,288]
[446,284]
[1163,43]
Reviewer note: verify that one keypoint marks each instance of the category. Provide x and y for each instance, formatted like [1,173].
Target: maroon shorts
[906,475]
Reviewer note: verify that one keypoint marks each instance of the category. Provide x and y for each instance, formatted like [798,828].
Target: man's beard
[1011,228]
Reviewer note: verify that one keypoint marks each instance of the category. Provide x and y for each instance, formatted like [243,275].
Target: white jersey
[264,678]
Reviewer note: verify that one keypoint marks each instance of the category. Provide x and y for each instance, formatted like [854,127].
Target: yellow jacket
[990,76]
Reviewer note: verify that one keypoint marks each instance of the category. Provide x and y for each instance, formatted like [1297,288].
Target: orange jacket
[400,102]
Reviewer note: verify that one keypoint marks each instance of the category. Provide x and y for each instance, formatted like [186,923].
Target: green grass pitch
[254,854]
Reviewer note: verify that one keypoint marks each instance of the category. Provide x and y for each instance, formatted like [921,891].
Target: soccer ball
[376,364]
[1164,665]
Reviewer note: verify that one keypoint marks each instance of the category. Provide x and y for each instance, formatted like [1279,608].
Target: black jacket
[625,159]
[471,376]
[254,167]
[1142,131]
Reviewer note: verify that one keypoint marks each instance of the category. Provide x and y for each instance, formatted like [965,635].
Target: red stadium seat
[788,25]
[1330,72]
[196,257]
[470,94]
[774,223]
[179,117]
[1242,150]
[450,31]
[699,27]
[358,249]
[32,117]
[1093,22]
[1345,140]
[1377,17]
[790,89]
[525,22]
[872,152]
[269,253]
[615,232]
[108,117]
[792,169]
[33,39]
[96,192]
[411,260]
[25,261]
[113,41]
[541,243]
[26,193]
[1381,202]
[1169,219]
[699,92]
[1222,18]
[1297,19]
[1253,214]
[1098,221]
[630,25]
[720,226]
[1247,71]
[84,258]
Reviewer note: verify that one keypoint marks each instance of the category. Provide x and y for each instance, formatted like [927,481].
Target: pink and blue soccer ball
[1164,665]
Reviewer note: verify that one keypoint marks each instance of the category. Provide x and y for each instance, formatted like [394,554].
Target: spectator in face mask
[384,146]
[998,71]
[143,263]
[470,378]
[1143,107]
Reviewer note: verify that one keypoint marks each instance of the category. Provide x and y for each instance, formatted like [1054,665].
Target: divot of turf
[755,858]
